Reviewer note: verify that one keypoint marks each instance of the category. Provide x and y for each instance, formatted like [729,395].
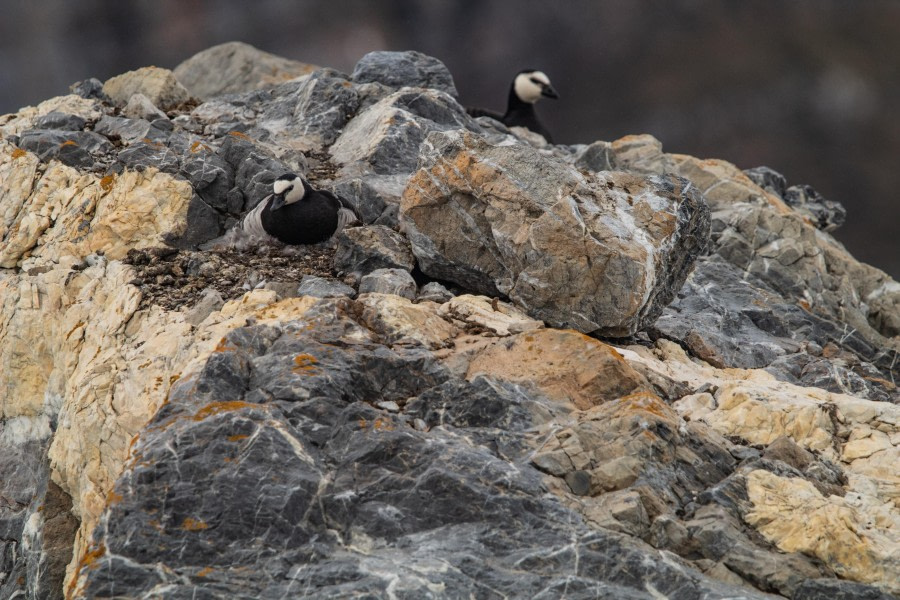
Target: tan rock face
[159,85]
[52,210]
[16,123]
[566,365]
[791,513]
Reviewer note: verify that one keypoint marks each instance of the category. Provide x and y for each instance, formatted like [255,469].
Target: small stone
[420,425]
[365,249]
[89,88]
[388,405]
[434,292]
[58,120]
[389,281]
[579,482]
[139,106]
[319,287]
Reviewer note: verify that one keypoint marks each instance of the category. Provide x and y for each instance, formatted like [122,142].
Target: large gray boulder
[601,253]
[400,69]
[236,67]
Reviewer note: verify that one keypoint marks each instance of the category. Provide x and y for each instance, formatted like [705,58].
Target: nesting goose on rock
[528,87]
[294,213]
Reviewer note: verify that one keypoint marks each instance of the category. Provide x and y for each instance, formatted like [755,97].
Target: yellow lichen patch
[68,143]
[237,438]
[107,182]
[216,408]
[198,146]
[113,497]
[204,572]
[645,402]
[223,346]
[382,425]
[304,364]
[190,524]
[18,153]
[362,423]
[239,135]
[89,558]
[150,142]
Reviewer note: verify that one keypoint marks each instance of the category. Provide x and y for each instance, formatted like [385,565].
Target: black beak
[548,92]
[277,202]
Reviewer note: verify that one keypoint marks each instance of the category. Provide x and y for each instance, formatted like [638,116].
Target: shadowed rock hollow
[416,410]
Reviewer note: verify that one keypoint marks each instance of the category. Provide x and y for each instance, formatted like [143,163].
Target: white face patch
[526,89]
[292,189]
[281,185]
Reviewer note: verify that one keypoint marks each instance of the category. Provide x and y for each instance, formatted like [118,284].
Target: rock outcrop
[537,371]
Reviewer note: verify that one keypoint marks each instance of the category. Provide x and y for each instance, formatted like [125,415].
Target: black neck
[516,105]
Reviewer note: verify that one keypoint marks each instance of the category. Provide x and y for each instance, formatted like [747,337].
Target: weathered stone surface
[835,589]
[140,106]
[401,69]
[59,120]
[497,317]
[235,67]
[354,484]
[451,446]
[72,148]
[389,281]
[826,215]
[603,253]
[434,292]
[792,513]
[782,255]
[319,287]
[90,214]
[159,85]
[385,137]
[364,249]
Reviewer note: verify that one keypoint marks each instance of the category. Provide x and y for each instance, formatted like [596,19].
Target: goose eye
[534,81]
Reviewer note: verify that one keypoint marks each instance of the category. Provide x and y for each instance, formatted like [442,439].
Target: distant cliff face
[535,371]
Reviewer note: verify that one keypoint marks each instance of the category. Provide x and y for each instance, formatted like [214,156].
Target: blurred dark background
[807,87]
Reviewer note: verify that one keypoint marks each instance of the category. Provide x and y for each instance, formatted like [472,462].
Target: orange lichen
[204,572]
[107,182]
[113,497]
[68,143]
[237,437]
[304,364]
[18,153]
[198,145]
[223,346]
[89,558]
[645,402]
[240,135]
[194,524]
[216,408]
[382,425]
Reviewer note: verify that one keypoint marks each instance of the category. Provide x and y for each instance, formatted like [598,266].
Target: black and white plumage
[527,87]
[295,213]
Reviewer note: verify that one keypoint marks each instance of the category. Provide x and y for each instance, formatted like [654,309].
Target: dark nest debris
[175,279]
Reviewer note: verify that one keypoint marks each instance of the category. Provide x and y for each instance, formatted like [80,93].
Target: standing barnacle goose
[295,213]
[528,87]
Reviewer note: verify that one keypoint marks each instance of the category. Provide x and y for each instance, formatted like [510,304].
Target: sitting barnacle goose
[295,213]
[528,87]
